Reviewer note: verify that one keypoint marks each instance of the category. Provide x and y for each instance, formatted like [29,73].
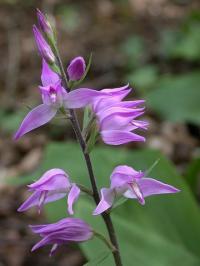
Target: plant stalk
[76,127]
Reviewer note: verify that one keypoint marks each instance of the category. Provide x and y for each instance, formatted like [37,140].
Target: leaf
[176,98]
[11,121]
[183,43]
[164,232]
[135,50]
[193,174]
[144,78]
[99,259]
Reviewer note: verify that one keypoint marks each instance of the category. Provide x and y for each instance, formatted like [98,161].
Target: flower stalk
[76,127]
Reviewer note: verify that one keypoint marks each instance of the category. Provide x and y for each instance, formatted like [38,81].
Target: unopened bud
[43,47]
[76,68]
[44,24]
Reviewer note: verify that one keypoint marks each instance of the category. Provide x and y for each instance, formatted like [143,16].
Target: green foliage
[176,98]
[193,174]
[173,97]
[157,234]
[144,78]
[10,121]
[134,49]
[70,16]
[184,43]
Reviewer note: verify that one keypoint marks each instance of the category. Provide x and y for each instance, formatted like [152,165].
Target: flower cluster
[114,119]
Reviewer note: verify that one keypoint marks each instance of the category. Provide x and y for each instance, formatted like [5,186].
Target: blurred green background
[155,46]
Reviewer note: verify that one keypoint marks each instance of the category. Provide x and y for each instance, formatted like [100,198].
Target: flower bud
[44,24]
[43,47]
[76,68]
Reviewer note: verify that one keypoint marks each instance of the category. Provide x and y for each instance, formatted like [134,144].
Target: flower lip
[53,94]
[137,191]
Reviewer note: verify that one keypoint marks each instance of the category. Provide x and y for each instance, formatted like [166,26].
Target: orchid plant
[106,116]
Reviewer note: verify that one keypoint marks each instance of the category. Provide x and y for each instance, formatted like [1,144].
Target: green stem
[105,240]
[85,190]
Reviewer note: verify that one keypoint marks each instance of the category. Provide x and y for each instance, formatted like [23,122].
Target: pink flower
[54,96]
[127,182]
[65,231]
[53,185]
[116,119]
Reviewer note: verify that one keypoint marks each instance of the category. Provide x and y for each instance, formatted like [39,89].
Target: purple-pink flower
[43,47]
[65,231]
[127,182]
[117,119]
[53,185]
[54,96]
[76,68]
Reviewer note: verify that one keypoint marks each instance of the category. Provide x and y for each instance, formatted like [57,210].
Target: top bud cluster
[106,115]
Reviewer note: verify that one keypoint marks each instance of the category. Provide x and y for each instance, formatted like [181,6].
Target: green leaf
[176,98]
[193,174]
[184,43]
[11,121]
[100,258]
[144,78]
[164,232]
[134,48]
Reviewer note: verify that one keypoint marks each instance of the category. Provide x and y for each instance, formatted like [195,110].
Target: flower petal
[33,200]
[107,198]
[54,179]
[123,175]
[117,118]
[48,76]
[115,91]
[39,116]
[45,241]
[150,186]
[72,197]
[81,97]
[112,97]
[118,137]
